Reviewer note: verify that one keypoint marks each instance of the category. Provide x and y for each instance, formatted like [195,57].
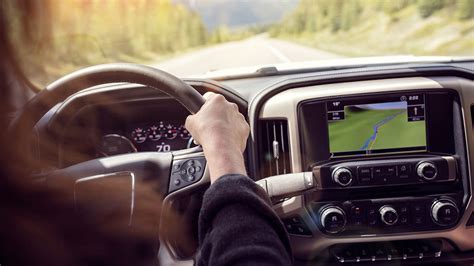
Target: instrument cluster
[160,136]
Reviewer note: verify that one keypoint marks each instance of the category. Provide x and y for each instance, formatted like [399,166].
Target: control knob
[388,215]
[333,219]
[444,212]
[342,176]
[427,171]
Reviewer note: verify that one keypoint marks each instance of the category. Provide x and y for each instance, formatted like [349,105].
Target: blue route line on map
[376,129]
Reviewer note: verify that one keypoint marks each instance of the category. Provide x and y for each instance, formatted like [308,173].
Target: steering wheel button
[198,169]
[191,170]
[177,182]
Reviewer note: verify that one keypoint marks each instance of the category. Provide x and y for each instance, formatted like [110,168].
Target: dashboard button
[427,171]
[418,220]
[388,215]
[364,173]
[295,220]
[404,171]
[372,221]
[185,173]
[383,174]
[372,217]
[404,220]
[295,225]
[333,219]
[357,211]
[417,209]
[444,212]
[342,176]
[404,210]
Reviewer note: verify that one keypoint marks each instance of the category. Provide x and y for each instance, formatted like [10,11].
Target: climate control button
[388,215]
[333,219]
[444,212]
[342,176]
[427,171]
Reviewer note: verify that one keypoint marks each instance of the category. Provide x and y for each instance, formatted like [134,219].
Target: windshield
[192,37]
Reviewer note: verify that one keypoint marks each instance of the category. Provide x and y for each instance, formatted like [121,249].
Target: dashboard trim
[284,105]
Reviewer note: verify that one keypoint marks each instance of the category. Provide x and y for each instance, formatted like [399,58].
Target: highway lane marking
[278,54]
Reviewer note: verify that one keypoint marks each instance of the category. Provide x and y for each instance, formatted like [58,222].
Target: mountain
[240,13]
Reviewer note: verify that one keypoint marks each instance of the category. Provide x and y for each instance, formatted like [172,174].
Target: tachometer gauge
[183,132]
[171,132]
[139,135]
[114,144]
[154,133]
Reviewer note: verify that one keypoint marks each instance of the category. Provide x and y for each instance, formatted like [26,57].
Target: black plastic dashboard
[293,104]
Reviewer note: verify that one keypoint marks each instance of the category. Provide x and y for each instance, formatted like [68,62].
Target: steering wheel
[172,173]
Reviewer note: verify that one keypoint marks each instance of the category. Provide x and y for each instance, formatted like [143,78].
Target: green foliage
[465,9]
[428,7]
[82,33]
[391,7]
[342,15]
[382,27]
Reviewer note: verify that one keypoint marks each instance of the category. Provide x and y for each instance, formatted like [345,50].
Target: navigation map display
[389,125]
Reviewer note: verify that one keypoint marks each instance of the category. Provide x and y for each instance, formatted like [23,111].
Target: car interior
[404,204]
[365,160]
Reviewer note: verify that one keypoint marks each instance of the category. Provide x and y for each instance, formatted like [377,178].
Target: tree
[427,7]
[465,9]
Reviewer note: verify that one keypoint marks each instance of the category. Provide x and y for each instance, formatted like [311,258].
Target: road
[257,50]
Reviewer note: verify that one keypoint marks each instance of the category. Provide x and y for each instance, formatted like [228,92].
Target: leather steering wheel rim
[88,77]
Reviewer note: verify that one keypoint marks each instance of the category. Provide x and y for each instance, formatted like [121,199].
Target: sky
[384,106]
[240,13]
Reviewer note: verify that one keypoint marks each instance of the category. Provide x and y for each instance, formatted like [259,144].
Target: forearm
[237,226]
[223,159]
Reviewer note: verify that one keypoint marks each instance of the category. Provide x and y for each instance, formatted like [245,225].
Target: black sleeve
[237,226]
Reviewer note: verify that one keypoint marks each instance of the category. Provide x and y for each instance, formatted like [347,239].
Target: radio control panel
[386,172]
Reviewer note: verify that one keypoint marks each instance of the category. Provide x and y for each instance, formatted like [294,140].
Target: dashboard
[388,148]
[390,162]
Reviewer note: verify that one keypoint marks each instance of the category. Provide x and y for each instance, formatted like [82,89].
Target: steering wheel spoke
[188,168]
[123,182]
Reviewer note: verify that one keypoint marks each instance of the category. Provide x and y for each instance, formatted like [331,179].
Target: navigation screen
[393,125]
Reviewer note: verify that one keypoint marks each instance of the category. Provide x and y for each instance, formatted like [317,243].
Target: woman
[237,225]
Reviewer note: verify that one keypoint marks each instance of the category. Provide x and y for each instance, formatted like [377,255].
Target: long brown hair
[39,224]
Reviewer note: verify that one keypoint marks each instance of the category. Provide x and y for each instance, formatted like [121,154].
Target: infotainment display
[391,124]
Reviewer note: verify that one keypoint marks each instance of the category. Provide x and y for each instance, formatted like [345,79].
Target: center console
[390,165]
[399,142]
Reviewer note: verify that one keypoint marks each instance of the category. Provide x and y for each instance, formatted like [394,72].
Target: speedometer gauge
[114,144]
[139,135]
[183,132]
[171,132]
[154,133]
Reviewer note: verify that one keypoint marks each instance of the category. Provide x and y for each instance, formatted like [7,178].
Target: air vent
[275,148]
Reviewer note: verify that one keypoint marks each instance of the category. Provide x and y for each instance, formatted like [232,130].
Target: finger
[219,98]
[236,108]
[188,124]
[208,95]
[242,117]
